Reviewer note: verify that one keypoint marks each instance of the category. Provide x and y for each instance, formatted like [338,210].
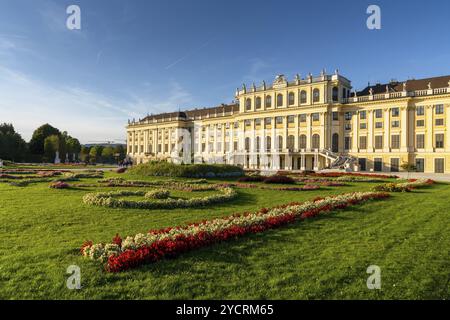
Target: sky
[135,57]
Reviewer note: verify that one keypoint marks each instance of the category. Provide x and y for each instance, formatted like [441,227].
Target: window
[291,119]
[315,141]
[362,115]
[290,143]
[248,123]
[315,117]
[279,120]
[395,112]
[258,144]
[268,101]
[363,142]
[335,94]
[291,98]
[439,140]
[439,122]
[347,143]
[335,116]
[303,96]
[420,165]
[303,118]
[280,143]
[279,100]
[395,141]
[378,113]
[258,103]
[395,124]
[316,95]
[268,121]
[363,126]
[268,143]
[378,125]
[439,109]
[420,123]
[378,164]
[247,144]
[378,142]
[302,141]
[439,165]
[420,111]
[420,141]
[348,115]
[257,122]
[395,164]
[236,125]
[348,126]
[248,104]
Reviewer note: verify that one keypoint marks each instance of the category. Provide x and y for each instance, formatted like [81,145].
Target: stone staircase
[339,161]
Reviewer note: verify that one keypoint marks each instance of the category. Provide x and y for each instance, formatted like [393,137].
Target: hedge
[167,169]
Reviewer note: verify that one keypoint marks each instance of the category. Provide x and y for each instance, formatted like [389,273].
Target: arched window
[268,101]
[247,144]
[316,95]
[279,100]
[335,142]
[258,144]
[302,141]
[290,142]
[315,141]
[303,97]
[291,98]
[280,143]
[268,143]
[335,94]
[248,104]
[258,103]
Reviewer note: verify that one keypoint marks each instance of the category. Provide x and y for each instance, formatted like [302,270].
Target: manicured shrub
[157,194]
[252,179]
[166,169]
[279,180]
[121,170]
[59,185]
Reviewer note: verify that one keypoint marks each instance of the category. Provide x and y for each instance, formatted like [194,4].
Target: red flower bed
[340,174]
[278,179]
[121,170]
[169,248]
[59,185]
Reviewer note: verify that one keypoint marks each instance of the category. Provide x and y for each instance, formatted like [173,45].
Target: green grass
[408,236]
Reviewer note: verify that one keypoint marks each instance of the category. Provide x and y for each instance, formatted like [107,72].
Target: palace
[308,123]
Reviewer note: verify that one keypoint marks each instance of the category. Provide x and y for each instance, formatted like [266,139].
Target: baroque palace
[309,123]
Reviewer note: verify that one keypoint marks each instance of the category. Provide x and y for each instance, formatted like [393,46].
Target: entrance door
[282,162]
[335,142]
[439,165]
[395,164]
[377,164]
[420,165]
[362,164]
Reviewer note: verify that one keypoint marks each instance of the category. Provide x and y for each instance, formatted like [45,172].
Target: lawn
[407,236]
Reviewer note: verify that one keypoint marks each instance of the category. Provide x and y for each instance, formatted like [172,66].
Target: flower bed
[405,186]
[109,199]
[59,185]
[157,194]
[171,242]
[348,178]
[355,174]
[255,186]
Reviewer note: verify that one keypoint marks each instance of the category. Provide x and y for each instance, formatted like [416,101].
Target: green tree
[12,146]
[36,144]
[84,153]
[73,148]
[108,155]
[93,154]
[51,145]
[119,152]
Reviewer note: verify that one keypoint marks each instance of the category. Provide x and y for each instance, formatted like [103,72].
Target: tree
[408,167]
[108,155]
[84,153]
[12,146]
[36,144]
[119,152]
[51,145]
[93,154]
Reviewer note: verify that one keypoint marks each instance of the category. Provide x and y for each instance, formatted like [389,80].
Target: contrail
[190,53]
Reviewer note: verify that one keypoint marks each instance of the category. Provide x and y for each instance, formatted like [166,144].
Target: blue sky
[140,56]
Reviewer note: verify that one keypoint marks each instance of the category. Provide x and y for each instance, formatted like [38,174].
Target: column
[387,130]
[404,129]
[308,131]
[429,147]
[370,131]
[322,131]
[355,133]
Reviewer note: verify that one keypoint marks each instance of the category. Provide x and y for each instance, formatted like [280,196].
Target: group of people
[126,163]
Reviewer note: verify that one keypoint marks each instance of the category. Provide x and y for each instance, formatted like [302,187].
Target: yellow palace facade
[309,123]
